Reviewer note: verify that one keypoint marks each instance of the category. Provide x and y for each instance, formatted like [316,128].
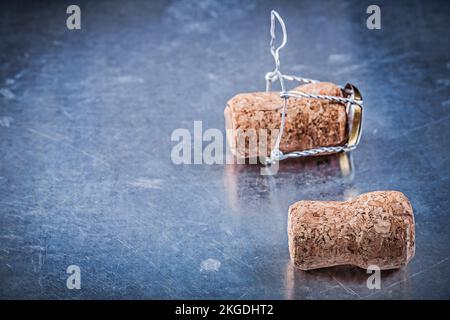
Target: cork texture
[376,228]
[310,123]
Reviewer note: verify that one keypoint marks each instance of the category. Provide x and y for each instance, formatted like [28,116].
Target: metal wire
[277,75]
[296,94]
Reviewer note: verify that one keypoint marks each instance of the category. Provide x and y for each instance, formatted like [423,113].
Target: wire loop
[276,75]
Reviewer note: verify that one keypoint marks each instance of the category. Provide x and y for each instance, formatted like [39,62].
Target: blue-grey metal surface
[86,117]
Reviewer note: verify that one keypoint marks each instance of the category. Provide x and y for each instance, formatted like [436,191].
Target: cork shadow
[349,280]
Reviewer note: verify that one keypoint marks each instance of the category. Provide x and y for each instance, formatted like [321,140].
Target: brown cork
[310,123]
[375,228]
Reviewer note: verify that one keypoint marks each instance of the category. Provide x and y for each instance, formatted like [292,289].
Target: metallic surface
[86,176]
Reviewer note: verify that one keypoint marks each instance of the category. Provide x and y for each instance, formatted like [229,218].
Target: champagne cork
[310,123]
[375,228]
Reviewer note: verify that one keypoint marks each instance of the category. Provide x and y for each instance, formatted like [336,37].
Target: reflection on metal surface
[289,281]
[346,164]
[237,177]
[351,193]
[350,281]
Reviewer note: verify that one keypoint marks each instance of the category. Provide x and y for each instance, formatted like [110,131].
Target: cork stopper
[310,123]
[376,228]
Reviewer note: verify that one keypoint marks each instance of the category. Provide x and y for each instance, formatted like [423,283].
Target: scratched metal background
[85,123]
